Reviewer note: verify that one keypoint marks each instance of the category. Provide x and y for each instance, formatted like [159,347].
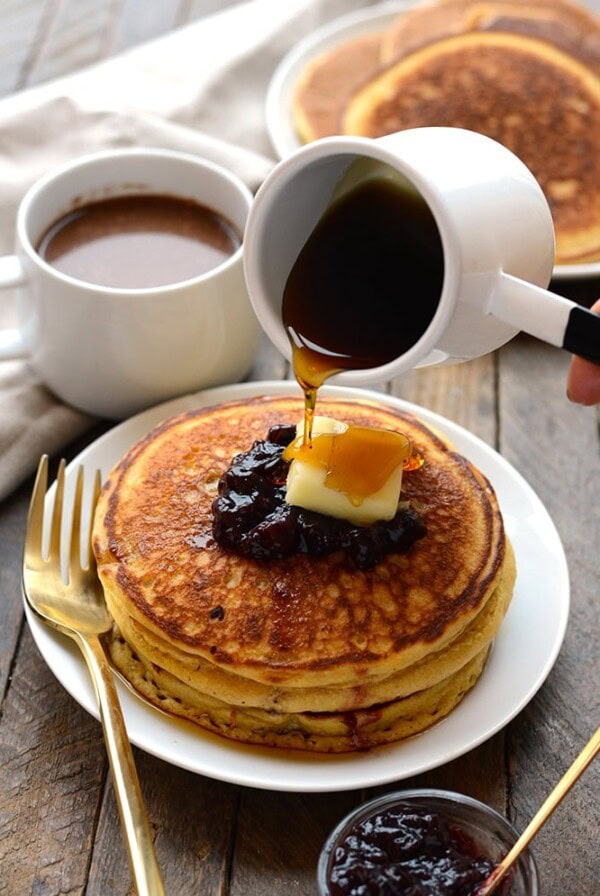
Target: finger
[583,382]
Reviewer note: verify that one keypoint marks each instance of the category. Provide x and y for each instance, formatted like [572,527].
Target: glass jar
[488,832]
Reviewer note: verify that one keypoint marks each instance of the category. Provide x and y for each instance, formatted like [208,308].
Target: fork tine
[35,516]
[75,548]
[88,560]
[57,512]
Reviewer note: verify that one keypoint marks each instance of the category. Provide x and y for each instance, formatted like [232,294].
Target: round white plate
[278,104]
[517,667]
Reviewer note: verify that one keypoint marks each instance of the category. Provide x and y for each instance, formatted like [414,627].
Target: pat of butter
[307,484]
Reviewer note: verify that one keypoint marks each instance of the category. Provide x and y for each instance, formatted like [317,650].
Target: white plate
[278,105]
[518,666]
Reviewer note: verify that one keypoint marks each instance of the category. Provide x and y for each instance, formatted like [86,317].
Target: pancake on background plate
[326,80]
[304,652]
[567,25]
[538,101]
[526,75]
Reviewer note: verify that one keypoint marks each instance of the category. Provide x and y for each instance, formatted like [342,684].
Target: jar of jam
[421,843]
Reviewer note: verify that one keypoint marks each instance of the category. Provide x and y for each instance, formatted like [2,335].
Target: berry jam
[407,851]
[252,518]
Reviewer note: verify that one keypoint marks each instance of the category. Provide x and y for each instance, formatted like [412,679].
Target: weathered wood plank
[464,393]
[78,34]
[11,609]
[23,24]
[198,8]
[480,773]
[43,39]
[51,752]
[193,820]
[279,838]
[53,767]
[138,21]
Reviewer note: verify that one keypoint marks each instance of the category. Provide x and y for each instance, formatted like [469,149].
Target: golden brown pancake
[538,101]
[543,107]
[566,25]
[304,652]
[322,732]
[216,682]
[329,78]
[327,81]
[306,620]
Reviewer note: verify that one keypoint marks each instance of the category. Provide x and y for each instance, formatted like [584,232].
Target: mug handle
[11,274]
[543,314]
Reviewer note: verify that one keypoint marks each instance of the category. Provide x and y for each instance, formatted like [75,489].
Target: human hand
[583,383]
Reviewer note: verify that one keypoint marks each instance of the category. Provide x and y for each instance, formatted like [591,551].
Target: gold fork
[77,608]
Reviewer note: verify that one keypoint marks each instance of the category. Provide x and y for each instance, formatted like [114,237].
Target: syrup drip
[311,369]
[345,309]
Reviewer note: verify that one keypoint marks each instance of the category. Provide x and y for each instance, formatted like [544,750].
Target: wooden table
[59,831]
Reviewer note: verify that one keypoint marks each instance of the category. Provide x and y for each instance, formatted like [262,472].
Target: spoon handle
[589,752]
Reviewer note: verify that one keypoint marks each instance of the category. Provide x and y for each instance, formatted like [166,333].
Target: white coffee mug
[111,351]
[495,228]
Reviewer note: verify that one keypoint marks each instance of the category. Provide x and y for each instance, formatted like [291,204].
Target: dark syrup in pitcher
[365,286]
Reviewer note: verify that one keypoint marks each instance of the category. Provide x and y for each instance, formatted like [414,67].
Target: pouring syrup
[364,287]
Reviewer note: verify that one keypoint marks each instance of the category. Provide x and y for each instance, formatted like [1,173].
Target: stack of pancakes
[306,653]
[527,75]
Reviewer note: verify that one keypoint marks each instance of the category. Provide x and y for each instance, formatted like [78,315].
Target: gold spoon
[589,752]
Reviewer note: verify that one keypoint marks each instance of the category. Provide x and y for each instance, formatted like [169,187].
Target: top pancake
[327,80]
[301,621]
[566,25]
[538,101]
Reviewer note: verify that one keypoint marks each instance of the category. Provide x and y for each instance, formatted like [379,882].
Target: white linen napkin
[200,89]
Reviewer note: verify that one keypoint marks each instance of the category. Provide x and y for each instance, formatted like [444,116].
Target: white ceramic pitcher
[496,232]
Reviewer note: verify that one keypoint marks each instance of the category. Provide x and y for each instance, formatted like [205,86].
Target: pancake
[335,732]
[326,80]
[210,680]
[538,101]
[566,25]
[304,652]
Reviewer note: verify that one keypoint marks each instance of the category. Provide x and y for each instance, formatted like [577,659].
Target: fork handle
[138,839]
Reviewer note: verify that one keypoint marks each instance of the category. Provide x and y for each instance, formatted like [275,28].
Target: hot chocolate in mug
[492,252]
[113,350]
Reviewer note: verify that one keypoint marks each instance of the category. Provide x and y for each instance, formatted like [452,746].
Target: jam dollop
[407,851]
[252,518]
